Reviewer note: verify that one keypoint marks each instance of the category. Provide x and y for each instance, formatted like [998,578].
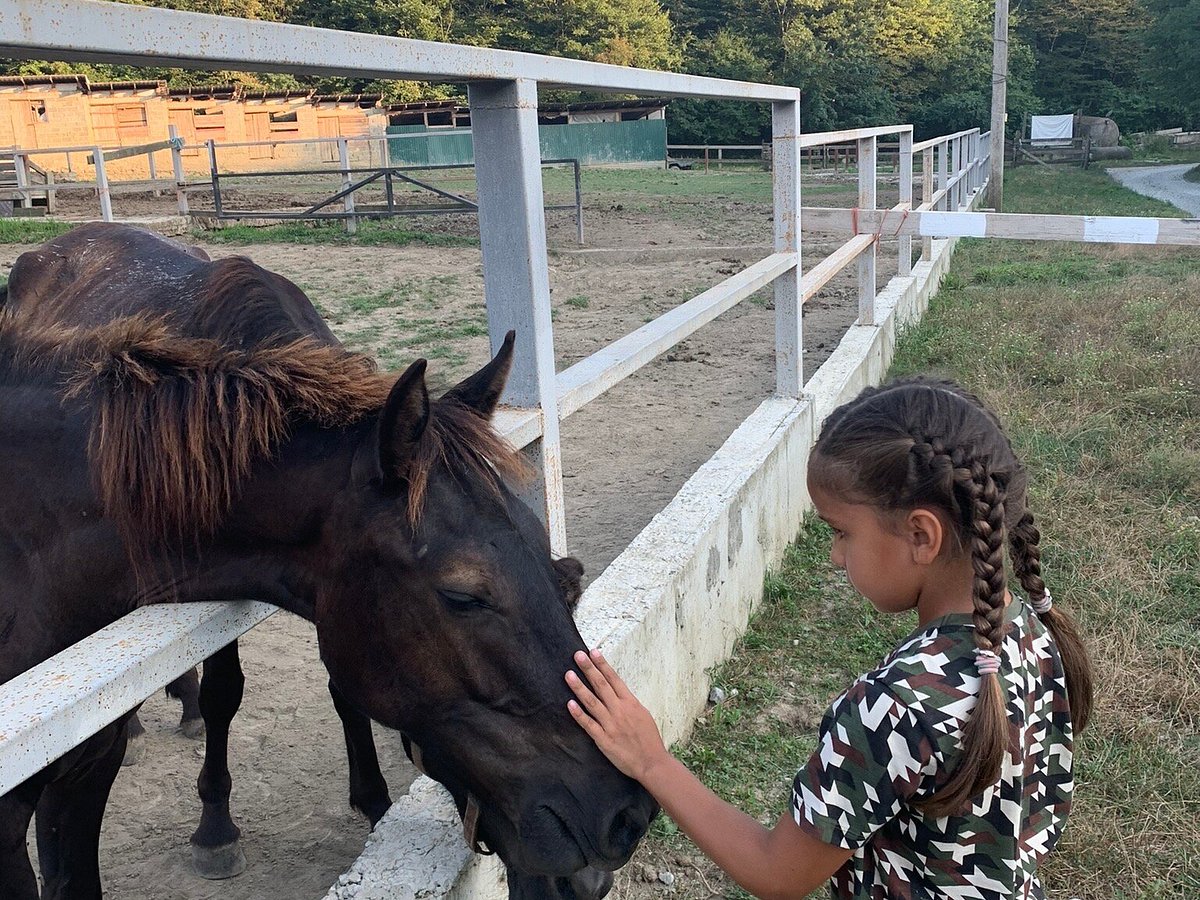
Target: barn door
[258,127]
[25,115]
[185,128]
[327,127]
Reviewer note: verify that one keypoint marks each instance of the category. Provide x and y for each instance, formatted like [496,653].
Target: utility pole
[999,99]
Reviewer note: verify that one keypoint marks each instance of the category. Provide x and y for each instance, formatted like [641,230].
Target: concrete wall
[673,604]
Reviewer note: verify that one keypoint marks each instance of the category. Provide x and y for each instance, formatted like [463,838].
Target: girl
[945,772]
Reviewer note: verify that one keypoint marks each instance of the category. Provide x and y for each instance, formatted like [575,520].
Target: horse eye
[463,601]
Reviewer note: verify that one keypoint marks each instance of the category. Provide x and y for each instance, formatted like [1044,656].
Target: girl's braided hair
[920,442]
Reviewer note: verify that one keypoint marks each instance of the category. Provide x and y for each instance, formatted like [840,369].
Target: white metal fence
[39,721]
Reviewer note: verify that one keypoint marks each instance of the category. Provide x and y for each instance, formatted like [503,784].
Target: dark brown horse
[177,468]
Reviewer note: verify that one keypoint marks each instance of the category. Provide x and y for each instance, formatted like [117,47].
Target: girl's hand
[622,728]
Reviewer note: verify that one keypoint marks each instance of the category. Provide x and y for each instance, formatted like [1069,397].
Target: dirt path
[1162,183]
[624,456]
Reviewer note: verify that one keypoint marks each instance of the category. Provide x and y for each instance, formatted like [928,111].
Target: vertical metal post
[389,191]
[789,319]
[958,167]
[177,171]
[214,177]
[999,105]
[21,170]
[944,173]
[516,277]
[578,202]
[867,179]
[926,193]
[904,159]
[348,200]
[153,173]
[102,185]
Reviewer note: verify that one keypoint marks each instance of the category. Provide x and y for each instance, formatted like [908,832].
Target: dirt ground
[624,456]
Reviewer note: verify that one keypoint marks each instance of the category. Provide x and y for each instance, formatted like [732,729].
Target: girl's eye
[461,601]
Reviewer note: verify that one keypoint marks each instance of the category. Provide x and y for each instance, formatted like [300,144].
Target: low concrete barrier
[673,604]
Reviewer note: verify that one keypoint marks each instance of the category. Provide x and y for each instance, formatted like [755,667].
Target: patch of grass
[579,302]
[1065,190]
[1088,354]
[423,290]
[370,234]
[31,231]
[1192,175]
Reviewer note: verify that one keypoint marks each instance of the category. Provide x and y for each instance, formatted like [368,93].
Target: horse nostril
[627,828]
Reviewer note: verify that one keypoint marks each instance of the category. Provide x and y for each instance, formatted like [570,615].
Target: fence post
[867,179]
[177,171]
[348,200]
[926,194]
[516,276]
[578,202]
[944,170]
[789,319]
[958,167]
[904,159]
[153,173]
[102,185]
[21,170]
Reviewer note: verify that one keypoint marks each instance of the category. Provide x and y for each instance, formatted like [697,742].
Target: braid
[1027,565]
[985,736]
[1027,556]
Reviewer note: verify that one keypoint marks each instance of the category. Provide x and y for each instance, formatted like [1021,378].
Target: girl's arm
[782,862]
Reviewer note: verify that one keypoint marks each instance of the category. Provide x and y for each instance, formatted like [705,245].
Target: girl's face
[884,563]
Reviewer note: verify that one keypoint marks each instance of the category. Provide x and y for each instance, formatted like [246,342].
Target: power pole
[999,100]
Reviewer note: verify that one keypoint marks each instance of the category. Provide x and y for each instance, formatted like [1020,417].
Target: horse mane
[178,422]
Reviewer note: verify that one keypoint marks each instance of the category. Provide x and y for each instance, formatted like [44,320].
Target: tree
[1173,57]
[724,54]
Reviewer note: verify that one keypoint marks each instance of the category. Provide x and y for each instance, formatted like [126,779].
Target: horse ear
[481,391]
[401,424]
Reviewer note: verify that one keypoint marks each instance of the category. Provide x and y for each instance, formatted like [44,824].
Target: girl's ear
[926,534]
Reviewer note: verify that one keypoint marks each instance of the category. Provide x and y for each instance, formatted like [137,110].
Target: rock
[716,695]
[666,878]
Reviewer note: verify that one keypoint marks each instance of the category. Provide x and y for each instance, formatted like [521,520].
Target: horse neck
[264,550]
[269,545]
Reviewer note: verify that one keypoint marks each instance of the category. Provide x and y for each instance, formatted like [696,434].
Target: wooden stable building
[38,112]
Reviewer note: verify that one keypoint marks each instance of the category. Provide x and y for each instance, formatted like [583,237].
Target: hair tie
[987,662]
[1042,606]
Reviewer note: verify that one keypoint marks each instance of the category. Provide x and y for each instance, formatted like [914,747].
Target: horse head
[442,612]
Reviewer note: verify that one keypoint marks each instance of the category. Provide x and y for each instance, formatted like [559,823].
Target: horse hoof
[192,728]
[215,863]
[135,749]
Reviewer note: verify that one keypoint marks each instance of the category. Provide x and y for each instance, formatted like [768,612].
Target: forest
[857,62]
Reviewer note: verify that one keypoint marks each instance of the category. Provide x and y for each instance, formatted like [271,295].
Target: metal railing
[502,94]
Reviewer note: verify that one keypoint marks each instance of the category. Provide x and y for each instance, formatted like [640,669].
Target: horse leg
[368,789]
[135,745]
[17,880]
[69,816]
[216,852]
[186,689]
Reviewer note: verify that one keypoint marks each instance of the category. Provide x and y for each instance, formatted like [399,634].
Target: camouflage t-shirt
[894,737]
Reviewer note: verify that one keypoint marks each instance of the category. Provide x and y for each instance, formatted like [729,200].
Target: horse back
[100,272]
